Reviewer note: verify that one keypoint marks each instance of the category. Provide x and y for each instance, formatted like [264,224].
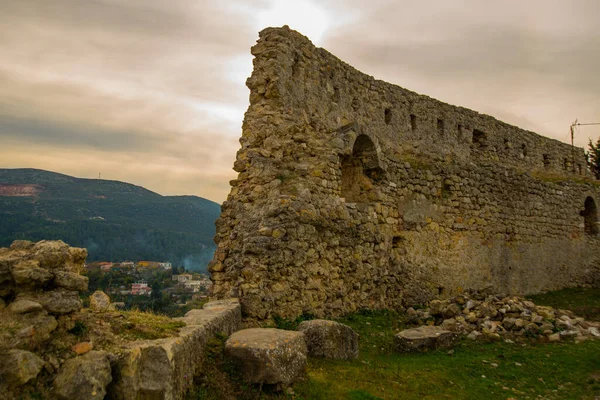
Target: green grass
[472,370]
[143,325]
[552,371]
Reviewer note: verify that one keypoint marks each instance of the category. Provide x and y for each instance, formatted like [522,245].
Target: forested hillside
[115,221]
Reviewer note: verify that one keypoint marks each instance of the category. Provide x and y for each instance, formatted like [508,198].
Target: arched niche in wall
[590,217]
[361,172]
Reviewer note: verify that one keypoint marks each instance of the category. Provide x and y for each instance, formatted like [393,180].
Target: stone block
[330,339]
[268,356]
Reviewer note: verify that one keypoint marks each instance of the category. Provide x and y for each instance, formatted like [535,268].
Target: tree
[593,158]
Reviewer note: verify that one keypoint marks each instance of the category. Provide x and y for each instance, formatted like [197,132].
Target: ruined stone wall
[354,193]
[42,328]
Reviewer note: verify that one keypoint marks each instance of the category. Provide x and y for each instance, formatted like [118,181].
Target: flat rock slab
[330,339]
[268,356]
[424,338]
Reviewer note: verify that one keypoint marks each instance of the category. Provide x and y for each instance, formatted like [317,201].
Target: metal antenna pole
[573,146]
[573,125]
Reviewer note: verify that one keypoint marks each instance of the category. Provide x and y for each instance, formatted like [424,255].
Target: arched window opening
[590,217]
[360,172]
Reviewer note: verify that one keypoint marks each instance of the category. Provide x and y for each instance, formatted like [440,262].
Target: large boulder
[424,338]
[268,356]
[84,377]
[19,367]
[330,339]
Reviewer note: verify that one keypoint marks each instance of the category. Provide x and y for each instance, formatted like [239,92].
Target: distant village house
[141,288]
[182,278]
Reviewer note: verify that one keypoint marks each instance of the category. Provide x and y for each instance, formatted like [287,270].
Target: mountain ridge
[115,220]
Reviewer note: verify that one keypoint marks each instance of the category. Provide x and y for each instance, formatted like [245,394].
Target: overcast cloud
[152,92]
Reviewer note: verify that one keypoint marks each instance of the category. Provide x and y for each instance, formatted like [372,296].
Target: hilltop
[114,220]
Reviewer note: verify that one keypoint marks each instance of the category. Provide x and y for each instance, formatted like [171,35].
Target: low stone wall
[165,368]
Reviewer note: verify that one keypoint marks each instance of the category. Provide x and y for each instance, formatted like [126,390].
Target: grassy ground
[526,370]
[472,371]
[144,325]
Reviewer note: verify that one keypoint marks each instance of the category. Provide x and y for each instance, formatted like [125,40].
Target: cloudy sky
[152,91]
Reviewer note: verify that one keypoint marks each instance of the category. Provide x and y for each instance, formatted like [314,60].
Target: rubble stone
[57,302]
[424,338]
[24,306]
[28,272]
[512,316]
[99,301]
[84,377]
[71,281]
[19,367]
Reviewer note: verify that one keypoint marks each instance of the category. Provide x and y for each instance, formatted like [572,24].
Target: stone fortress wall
[353,193]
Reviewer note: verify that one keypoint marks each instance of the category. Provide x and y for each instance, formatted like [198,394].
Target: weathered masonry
[354,193]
